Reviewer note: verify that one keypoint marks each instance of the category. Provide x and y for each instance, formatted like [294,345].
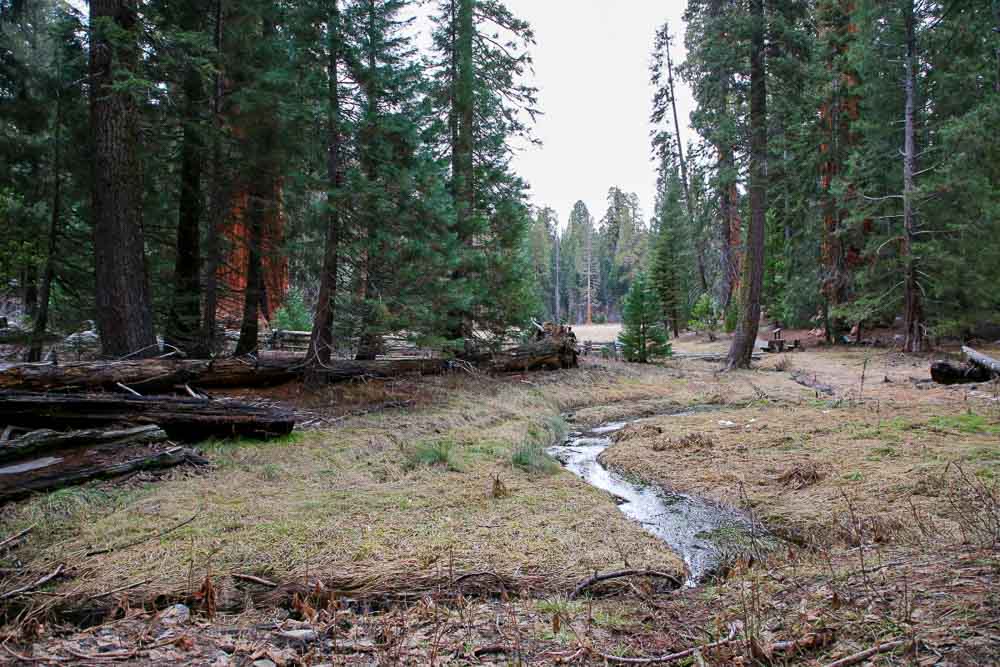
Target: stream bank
[706,535]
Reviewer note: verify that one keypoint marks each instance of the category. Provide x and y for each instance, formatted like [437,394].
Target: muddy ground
[420,522]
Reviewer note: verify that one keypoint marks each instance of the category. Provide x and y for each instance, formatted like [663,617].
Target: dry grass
[890,491]
[393,502]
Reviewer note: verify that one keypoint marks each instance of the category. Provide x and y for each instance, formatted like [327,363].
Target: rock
[264,662]
[725,423]
[176,615]
[222,659]
[300,636]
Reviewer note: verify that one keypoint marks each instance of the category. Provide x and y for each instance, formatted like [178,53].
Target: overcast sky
[592,68]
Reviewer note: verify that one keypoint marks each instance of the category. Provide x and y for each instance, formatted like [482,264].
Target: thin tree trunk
[220,198]
[321,341]
[184,323]
[558,313]
[48,273]
[123,306]
[913,318]
[753,261]
[462,150]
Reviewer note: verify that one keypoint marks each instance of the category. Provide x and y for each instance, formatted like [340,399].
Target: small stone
[303,636]
[222,659]
[176,615]
[264,662]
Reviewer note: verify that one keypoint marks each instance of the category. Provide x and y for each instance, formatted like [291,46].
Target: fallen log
[813,382]
[45,439]
[547,354]
[982,361]
[977,368]
[946,372]
[148,376]
[185,419]
[165,375]
[57,480]
[342,371]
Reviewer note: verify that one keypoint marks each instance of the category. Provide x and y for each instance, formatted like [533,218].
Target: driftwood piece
[182,418]
[59,479]
[45,439]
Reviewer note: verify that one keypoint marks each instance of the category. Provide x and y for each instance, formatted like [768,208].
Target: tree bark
[152,376]
[189,420]
[321,340]
[753,261]
[261,144]
[46,440]
[56,480]
[219,199]
[914,337]
[48,273]
[124,307]
[184,329]
[463,162]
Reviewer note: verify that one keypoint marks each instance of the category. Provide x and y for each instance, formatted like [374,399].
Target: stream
[703,533]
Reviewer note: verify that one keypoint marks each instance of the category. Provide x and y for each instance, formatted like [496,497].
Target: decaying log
[978,368]
[59,479]
[979,359]
[148,376]
[946,372]
[812,382]
[165,375]
[547,354]
[185,419]
[341,371]
[45,439]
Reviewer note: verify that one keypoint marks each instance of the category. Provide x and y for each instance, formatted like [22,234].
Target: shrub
[293,315]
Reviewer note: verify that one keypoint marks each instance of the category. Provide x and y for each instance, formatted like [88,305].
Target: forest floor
[420,522]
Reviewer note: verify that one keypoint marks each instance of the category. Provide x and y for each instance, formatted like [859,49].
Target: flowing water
[703,533]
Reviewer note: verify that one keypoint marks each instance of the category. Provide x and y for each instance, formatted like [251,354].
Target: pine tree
[481,61]
[669,265]
[124,306]
[643,336]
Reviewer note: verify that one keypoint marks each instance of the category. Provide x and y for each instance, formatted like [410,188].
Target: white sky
[592,68]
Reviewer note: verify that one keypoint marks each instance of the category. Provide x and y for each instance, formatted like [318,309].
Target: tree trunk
[219,199]
[123,306]
[48,481]
[913,314]
[183,419]
[48,273]
[46,440]
[184,326]
[558,306]
[321,340]
[462,158]
[753,261]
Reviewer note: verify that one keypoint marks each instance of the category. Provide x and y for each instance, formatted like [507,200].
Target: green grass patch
[967,423]
[433,454]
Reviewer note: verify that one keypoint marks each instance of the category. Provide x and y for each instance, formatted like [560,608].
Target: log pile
[978,367]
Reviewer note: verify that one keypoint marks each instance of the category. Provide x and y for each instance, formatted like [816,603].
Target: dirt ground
[434,530]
